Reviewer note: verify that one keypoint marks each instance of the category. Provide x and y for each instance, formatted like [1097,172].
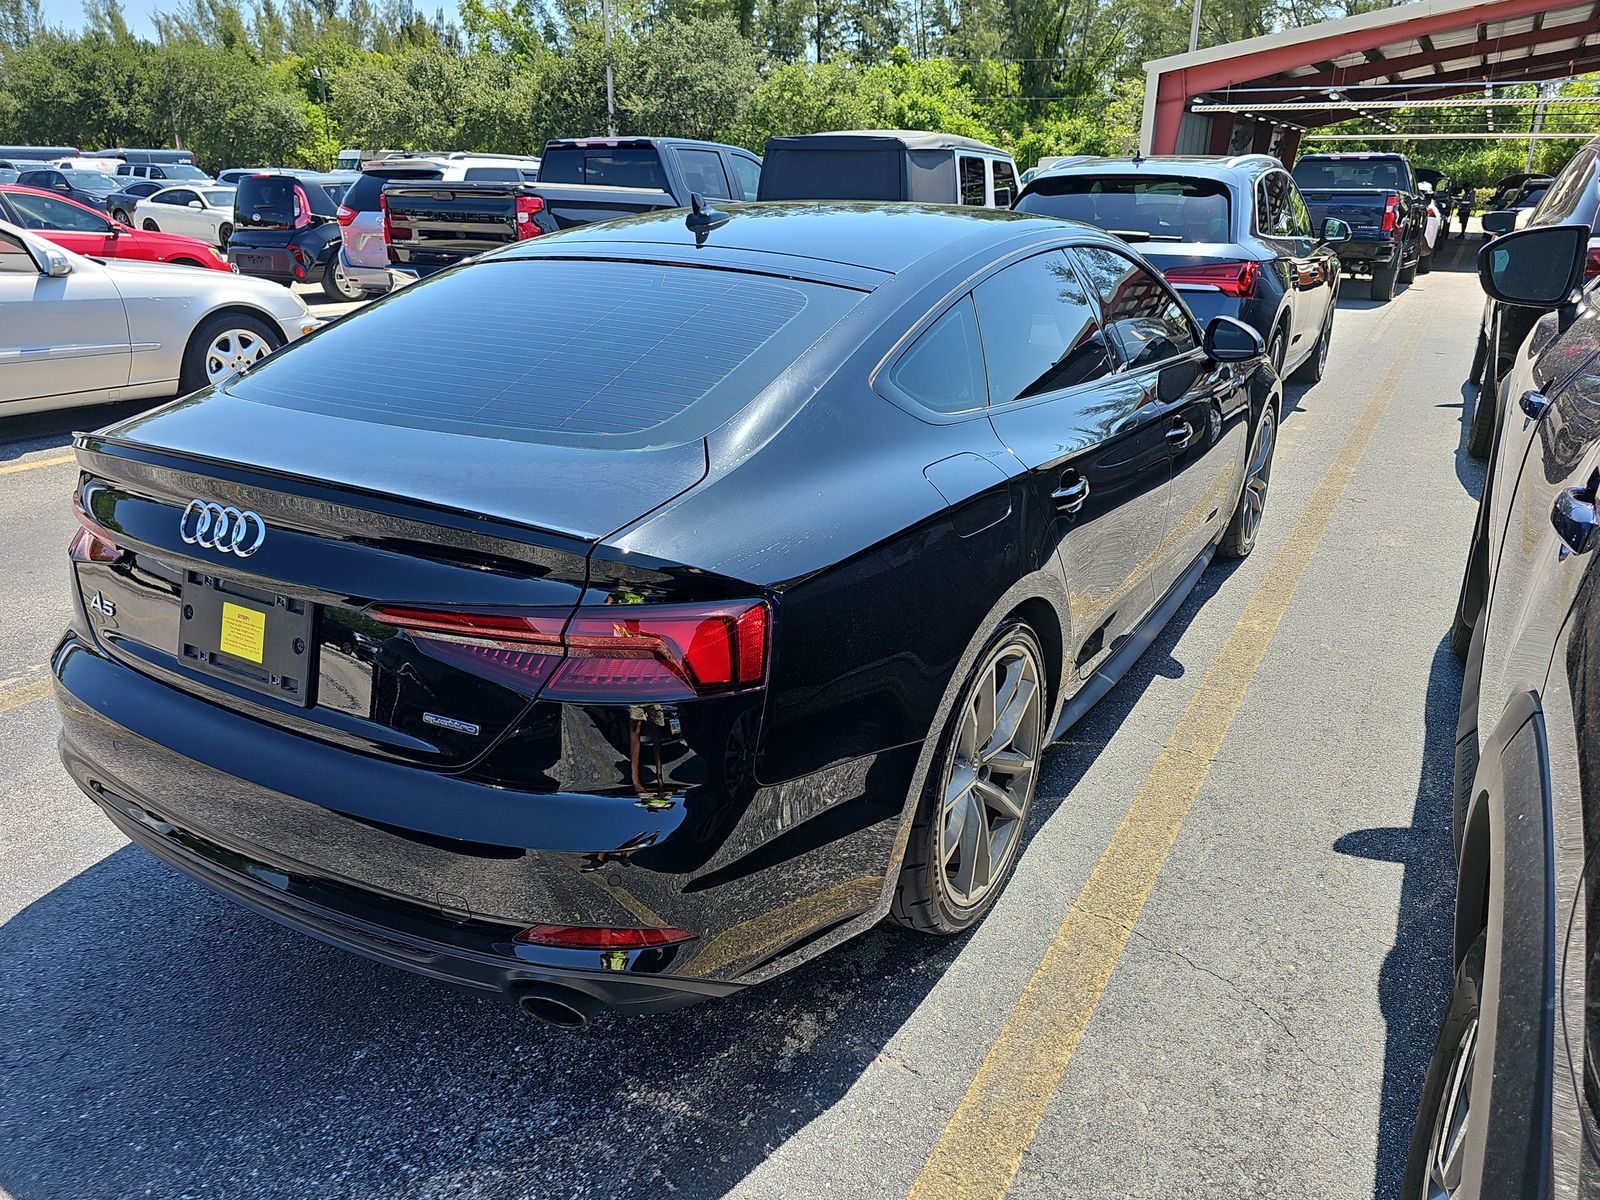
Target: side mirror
[1500,222]
[63,186]
[56,264]
[113,229]
[1535,268]
[195,204]
[1334,231]
[1228,340]
[1004,197]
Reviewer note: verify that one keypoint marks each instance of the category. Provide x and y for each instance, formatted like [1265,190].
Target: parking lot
[1216,973]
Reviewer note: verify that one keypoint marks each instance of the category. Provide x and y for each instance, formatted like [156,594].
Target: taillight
[1391,213]
[389,234]
[583,937]
[624,654]
[527,227]
[1229,278]
[1591,264]
[91,543]
[345,215]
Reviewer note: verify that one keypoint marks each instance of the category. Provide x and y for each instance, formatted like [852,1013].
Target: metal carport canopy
[1425,50]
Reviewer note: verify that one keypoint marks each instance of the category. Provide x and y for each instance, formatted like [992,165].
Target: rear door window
[970,175]
[746,176]
[943,370]
[703,173]
[574,352]
[1148,324]
[1161,208]
[1040,329]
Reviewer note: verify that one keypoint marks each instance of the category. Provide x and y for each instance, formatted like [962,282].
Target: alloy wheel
[341,281]
[233,350]
[990,777]
[1450,1122]
[1259,476]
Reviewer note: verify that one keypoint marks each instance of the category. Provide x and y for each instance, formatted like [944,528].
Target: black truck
[1376,195]
[431,225]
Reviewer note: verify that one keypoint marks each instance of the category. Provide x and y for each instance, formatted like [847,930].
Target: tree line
[290,82]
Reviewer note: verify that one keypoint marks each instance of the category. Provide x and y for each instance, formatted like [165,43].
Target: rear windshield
[611,166]
[870,173]
[1348,173]
[364,192]
[1161,208]
[557,351]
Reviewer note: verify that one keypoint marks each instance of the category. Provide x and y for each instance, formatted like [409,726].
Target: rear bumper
[435,874]
[1364,253]
[368,279]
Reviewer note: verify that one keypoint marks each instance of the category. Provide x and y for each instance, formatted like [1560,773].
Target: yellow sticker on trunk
[244,632]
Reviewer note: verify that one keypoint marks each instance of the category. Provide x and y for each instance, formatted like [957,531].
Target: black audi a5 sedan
[1511,1101]
[627,616]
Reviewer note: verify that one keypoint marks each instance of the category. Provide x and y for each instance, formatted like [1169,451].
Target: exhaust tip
[564,1007]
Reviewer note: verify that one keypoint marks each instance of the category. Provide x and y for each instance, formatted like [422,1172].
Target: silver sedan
[76,330]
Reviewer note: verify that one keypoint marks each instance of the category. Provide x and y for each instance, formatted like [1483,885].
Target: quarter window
[746,175]
[1004,177]
[1040,332]
[1147,323]
[943,370]
[1275,212]
[973,187]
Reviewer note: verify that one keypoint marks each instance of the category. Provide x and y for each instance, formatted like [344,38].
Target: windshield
[558,351]
[219,197]
[1162,208]
[92,181]
[183,171]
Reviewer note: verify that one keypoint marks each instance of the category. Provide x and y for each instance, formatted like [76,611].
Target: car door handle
[1070,497]
[1575,520]
[1533,405]
[1180,435]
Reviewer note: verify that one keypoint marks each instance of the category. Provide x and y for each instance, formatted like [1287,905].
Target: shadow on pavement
[32,432]
[1414,983]
[158,1040]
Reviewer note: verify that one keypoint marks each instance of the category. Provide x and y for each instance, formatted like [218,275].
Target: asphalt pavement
[1215,974]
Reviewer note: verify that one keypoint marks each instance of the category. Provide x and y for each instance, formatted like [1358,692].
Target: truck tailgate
[1360,208]
[440,224]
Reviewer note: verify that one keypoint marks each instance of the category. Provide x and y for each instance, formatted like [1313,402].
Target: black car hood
[585,493]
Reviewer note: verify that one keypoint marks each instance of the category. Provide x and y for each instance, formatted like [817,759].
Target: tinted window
[1349,173]
[703,173]
[364,192]
[91,181]
[615,167]
[1004,177]
[1275,212]
[1163,208]
[181,197]
[1299,214]
[549,350]
[144,187]
[973,187]
[493,174]
[1146,322]
[1039,329]
[46,212]
[746,176]
[870,173]
[1568,189]
[40,179]
[943,370]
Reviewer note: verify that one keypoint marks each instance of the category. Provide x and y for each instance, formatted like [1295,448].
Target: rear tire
[1434,1165]
[1383,281]
[336,284]
[1312,369]
[1408,274]
[1479,357]
[224,234]
[121,217]
[1240,537]
[150,226]
[974,809]
[1425,263]
[1485,412]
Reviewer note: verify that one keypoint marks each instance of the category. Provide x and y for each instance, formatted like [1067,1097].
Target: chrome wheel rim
[234,350]
[991,773]
[1450,1122]
[341,281]
[1259,476]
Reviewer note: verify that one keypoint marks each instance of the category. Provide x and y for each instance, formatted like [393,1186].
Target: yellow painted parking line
[25,693]
[35,464]
[977,1155]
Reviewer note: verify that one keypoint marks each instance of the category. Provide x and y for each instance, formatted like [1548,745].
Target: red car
[79,228]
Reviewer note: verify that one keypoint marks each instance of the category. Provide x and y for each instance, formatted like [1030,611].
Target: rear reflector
[622,655]
[1229,278]
[581,937]
[1591,264]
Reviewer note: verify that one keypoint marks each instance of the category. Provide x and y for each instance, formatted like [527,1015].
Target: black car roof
[885,238]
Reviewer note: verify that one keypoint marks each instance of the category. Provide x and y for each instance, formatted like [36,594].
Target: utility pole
[1546,90]
[611,95]
[1194,28]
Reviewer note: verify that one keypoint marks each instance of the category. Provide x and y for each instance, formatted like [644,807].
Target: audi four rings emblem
[222,527]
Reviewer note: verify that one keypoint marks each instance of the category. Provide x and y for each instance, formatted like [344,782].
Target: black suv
[286,228]
[1571,198]
[1231,234]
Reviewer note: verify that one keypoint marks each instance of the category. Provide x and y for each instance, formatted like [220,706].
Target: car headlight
[217,254]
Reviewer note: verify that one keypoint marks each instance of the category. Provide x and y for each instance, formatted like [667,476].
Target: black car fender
[1506,886]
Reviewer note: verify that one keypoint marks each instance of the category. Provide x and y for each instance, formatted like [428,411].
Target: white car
[198,212]
[76,331]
